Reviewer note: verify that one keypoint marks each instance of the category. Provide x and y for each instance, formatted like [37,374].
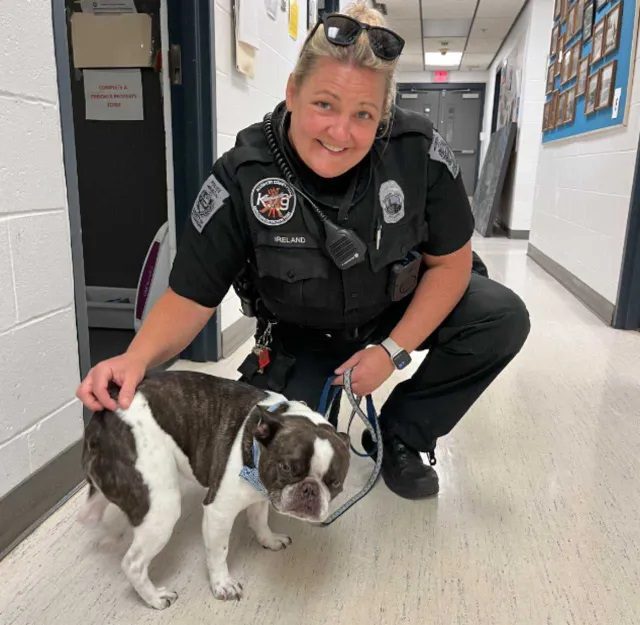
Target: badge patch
[392,201]
[441,151]
[211,197]
[273,201]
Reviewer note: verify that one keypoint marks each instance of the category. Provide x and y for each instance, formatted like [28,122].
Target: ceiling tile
[499,8]
[449,9]
[446,28]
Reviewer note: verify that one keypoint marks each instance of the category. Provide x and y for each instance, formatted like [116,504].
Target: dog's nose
[310,489]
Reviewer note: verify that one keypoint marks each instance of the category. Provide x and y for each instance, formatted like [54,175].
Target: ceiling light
[439,59]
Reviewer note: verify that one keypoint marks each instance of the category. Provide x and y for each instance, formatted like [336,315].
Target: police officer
[346,226]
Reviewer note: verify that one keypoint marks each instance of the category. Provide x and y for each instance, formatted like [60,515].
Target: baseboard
[42,493]
[513,234]
[236,334]
[592,300]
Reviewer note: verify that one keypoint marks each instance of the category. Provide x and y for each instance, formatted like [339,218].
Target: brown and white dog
[214,431]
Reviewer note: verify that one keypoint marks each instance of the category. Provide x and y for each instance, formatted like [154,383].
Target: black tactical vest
[296,280]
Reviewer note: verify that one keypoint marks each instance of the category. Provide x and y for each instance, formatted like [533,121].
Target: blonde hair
[358,54]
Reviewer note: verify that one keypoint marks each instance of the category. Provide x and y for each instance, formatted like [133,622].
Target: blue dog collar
[251,474]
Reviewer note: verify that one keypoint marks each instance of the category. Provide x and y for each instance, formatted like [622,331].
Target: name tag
[287,239]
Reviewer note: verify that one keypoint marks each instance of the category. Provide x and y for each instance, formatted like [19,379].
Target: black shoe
[403,471]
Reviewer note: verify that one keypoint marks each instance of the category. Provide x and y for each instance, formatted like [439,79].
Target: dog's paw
[275,542]
[227,589]
[163,599]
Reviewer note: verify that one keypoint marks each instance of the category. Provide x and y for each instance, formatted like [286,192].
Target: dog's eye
[335,484]
[285,467]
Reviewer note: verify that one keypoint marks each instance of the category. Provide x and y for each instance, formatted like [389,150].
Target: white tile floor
[538,521]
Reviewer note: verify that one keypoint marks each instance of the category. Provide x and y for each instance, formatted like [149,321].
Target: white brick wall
[581,202]
[39,417]
[241,101]
[528,43]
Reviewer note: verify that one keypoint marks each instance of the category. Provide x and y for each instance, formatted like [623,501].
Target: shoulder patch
[441,151]
[211,197]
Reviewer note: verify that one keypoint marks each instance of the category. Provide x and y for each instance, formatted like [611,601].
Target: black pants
[467,351]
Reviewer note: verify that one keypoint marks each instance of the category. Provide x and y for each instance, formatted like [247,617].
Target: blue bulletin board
[589,67]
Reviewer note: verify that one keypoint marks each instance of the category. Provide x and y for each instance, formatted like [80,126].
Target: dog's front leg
[258,515]
[217,522]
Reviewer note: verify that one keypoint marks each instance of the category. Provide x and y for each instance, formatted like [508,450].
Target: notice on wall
[113,94]
[108,6]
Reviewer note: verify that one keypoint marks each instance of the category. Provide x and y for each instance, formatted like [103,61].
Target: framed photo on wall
[557,9]
[576,51]
[551,71]
[562,109]
[566,67]
[597,46]
[607,84]
[571,21]
[555,32]
[591,97]
[570,106]
[583,72]
[612,30]
[600,4]
[587,20]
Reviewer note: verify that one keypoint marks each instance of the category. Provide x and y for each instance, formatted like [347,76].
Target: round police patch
[273,201]
[392,201]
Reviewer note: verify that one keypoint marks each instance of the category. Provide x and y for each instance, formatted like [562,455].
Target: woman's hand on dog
[125,370]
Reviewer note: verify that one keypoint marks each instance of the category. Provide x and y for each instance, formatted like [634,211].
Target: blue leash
[332,393]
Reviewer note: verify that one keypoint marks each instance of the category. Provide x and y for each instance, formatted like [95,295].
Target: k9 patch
[211,197]
[273,201]
[441,152]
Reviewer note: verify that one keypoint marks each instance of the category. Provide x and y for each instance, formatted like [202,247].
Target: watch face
[401,359]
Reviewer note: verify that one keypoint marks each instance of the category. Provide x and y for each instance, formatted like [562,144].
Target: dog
[248,447]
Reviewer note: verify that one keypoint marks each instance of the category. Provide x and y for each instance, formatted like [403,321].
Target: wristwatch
[399,356]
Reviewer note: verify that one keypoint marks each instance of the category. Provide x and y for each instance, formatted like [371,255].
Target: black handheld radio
[344,246]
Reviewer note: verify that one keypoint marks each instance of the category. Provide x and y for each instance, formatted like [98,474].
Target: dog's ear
[344,437]
[268,425]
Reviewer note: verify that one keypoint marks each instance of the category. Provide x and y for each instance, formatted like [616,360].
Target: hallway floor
[537,522]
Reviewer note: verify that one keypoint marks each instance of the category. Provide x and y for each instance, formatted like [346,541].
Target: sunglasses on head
[342,30]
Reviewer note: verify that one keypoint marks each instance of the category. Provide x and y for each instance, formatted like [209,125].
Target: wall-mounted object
[107,41]
[595,44]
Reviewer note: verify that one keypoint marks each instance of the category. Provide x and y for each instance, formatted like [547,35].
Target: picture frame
[551,71]
[570,106]
[557,9]
[555,33]
[567,64]
[600,4]
[571,21]
[559,54]
[562,108]
[597,45]
[588,15]
[576,51]
[612,30]
[607,86]
[583,73]
[592,93]
[553,117]
[546,113]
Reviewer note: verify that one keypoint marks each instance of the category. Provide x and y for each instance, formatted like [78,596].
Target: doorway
[456,112]
[122,185]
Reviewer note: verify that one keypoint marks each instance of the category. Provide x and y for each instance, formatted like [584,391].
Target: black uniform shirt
[218,239]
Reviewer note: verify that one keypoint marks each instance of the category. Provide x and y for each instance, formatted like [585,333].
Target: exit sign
[441,76]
